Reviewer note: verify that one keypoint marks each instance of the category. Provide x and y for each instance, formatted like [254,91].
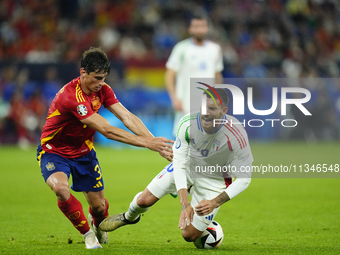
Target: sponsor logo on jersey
[82,110]
[178,143]
[50,166]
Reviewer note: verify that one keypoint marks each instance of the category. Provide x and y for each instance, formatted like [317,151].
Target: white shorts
[164,184]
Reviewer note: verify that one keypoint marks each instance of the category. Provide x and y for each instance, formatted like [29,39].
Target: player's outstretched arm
[131,121]
[135,125]
[159,144]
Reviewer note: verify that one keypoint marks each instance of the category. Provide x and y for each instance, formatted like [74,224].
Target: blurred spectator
[7,81]
[51,85]
[4,112]
[287,33]
[276,38]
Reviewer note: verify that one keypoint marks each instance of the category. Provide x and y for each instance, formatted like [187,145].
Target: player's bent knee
[97,206]
[143,201]
[98,209]
[188,237]
[190,234]
[146,200]
[62,191]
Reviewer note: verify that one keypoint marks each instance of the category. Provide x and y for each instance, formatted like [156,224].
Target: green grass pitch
[273,216]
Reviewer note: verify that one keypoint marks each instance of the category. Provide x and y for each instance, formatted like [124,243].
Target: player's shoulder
[71,93]
[212,44]
[71,86]
[185,122]
[183,44]
[235,133]
[233,124]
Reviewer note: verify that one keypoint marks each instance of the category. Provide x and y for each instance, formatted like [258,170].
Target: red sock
[73,210]
[99,217]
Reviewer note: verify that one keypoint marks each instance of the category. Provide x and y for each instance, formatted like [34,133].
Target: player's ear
[82,71]
[225,110]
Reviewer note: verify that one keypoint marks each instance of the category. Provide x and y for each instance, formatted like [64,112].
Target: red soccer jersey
[64,133]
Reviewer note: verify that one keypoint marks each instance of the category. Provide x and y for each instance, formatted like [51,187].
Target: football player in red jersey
[67,143]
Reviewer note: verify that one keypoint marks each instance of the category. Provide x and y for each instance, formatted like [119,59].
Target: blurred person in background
[4,112]
[66,145]
[51,85]
[195,57]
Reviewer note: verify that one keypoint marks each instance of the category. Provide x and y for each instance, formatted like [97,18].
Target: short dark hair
[197,16]
[222,93]
[95,60]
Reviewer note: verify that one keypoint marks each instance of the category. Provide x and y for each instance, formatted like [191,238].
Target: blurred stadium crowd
[41,42]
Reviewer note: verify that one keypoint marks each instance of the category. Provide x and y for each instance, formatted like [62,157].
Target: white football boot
[102,236]
[91,240]
[116,221]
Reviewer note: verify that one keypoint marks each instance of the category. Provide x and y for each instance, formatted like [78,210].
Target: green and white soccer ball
[211,238]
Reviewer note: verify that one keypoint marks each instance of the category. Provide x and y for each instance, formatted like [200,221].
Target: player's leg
[160,186]
[58,182]
[87,178]
[190,233]
[98,211]
[56,171]
[199,223]
[71,207]
[140,204]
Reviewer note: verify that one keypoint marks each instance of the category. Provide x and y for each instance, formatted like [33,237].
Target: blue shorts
[85,170]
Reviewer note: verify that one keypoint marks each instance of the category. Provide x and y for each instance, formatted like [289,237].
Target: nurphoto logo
[239,104]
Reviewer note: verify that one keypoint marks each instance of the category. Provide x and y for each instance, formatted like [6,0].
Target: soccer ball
[211,238]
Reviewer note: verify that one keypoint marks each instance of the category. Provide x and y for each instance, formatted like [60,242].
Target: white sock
[134,209]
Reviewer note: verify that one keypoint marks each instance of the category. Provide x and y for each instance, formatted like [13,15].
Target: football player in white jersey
[212,159]
[195,57]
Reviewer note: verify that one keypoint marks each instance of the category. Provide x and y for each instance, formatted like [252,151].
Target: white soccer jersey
[212,159]
[190,60]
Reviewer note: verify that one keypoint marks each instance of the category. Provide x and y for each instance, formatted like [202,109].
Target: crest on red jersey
[96,104]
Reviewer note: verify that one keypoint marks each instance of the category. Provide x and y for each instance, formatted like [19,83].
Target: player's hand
[186,217]
[163,146]
[205,207]
[167,155]
[177,104]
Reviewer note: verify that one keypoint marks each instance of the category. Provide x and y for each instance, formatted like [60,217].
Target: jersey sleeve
[237,186]
[110,96]
[241,168]
[181,154]
[174,61]
[76,105]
